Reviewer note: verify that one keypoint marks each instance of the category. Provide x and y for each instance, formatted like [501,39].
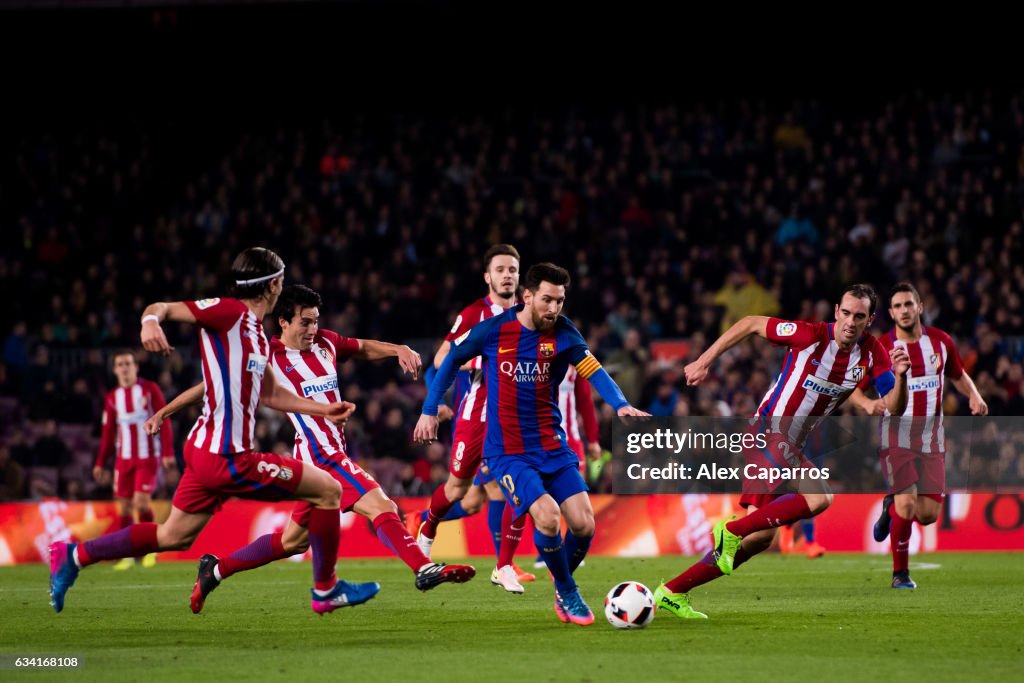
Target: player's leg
[143,504]
[467,451]
[785,509]
[579,517]
[511,535]
[901,528]
[812,548]
[473,500]
[453,490]
[673,596]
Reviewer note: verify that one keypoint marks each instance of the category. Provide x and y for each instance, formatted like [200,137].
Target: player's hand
[900,361]
[876,408]
[696,372]
[977,405]
[154,340]
[153,424]
[426,429]
[168,462]
[630,411]
[338,413]
[101,475]
[444,413]
[409,361]
[594,450]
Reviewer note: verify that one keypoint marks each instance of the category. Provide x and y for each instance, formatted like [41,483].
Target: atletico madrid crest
[546,349]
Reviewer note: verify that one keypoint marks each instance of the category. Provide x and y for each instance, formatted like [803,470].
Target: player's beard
[503,295]
[908,329]
[540,323]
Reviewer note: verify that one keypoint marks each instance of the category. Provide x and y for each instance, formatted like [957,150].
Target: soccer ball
[629,605]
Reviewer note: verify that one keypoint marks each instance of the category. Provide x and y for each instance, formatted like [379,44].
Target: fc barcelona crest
[546,349]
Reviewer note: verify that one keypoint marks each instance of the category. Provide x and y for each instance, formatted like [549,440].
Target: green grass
[776,618]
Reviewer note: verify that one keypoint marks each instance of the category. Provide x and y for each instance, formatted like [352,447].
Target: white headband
[272,276]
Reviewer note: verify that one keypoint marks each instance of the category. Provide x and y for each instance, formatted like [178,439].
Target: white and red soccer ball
[629,605]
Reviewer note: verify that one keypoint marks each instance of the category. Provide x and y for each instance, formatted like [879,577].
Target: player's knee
[330,497]
[818,502]
[547,520]
[455,491]
[926,517]
[472,506]
[295,546]
[583,528]
[907,507]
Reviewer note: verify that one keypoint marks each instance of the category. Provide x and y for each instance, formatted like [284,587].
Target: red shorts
[134,476]
[355,483]
[904,468]
[779,453]
[210,479]
[467,448]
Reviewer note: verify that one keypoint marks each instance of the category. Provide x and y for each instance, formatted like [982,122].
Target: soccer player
[526,351]
[824,364]
[501,273]
[304,360]
[135,454]
[219,456]
[912,450]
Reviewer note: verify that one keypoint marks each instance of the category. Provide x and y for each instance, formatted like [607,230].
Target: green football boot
[726,544]
[676,603]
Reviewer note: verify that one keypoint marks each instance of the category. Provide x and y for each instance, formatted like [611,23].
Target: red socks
[785,510]
[439,507]
[703,571]
[511,534]
[323,539]
[146,516]
[263,550]
[134,541]
[899,540]
[392,534]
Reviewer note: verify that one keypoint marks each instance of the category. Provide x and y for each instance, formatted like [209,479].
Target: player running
[219,451]
[913,450]
[824,364]
[304,360]
[501,273]
[526,351]
[136,456]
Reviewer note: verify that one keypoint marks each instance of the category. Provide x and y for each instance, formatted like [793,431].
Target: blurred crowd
[674,221]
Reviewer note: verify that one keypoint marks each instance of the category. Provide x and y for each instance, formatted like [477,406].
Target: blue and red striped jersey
[523,369]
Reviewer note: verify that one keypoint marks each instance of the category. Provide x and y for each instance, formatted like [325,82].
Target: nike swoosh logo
[815,361]
[721,544]
[501,350]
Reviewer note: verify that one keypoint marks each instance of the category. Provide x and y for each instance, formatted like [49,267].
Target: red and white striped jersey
[234,351]
[313,374]
[125,410]
[817,375]
[474,403]
[574,401]
[932,357]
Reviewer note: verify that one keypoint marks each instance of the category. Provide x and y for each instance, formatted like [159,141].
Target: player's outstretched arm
[185,398]
[408,360]
[697,371]
[896,398]
[153,338]
[868,406]
[274,395]
[965,385]
[590,370]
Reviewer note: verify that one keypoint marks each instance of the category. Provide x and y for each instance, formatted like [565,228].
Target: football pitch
[779,617]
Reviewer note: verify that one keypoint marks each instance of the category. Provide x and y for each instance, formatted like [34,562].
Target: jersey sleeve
[218,314]
[108,432]
[585,407]
[344,347]
[880,372]
[156,402]
[794,332]
[954,364]
[468,345]
[578,353]
[469,317]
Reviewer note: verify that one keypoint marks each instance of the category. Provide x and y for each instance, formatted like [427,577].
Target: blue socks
[808,527]
[576,549]
[495,509]
[553,552]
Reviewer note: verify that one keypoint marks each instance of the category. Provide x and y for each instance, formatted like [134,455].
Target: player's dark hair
[255,263]
[293,299]
[904,287]
[546,272]
[500,250]
[123,352]
[863,291]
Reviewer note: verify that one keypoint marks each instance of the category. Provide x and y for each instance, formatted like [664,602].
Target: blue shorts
[483,475]
[525,477]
